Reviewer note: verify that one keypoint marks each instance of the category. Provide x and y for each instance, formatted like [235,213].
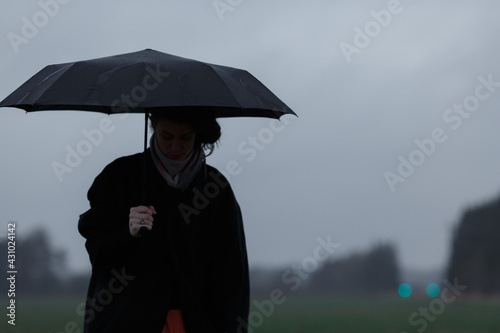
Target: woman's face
[176,140]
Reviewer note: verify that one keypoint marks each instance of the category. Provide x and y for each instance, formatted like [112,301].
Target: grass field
[297,316]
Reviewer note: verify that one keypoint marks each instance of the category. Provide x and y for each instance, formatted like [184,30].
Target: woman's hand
[138,214]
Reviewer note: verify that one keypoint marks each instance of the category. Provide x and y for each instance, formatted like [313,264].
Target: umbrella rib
[223,82]
[39,83]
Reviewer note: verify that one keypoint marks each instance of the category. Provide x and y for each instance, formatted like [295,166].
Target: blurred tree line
[41,269]
[474,261]
[374,272]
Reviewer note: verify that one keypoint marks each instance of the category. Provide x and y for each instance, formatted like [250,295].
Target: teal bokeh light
[433,290]
[404,290]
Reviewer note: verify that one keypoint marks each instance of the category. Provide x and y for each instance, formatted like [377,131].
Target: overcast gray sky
[378,86]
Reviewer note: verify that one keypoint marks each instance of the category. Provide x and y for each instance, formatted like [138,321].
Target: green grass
[376,316]
[293,316]
[45,316]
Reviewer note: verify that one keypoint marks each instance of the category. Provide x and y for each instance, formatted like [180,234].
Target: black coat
[194,258]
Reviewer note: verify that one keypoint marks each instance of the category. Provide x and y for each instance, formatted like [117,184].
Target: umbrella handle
[143,230]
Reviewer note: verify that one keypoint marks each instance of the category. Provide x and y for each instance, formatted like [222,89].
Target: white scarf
[177,173]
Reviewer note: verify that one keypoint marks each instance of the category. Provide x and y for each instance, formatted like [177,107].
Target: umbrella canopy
[135,82]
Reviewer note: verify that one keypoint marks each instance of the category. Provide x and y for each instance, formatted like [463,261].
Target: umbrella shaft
[144,158]
[145,130]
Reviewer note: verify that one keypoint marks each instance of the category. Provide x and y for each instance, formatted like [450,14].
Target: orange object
[174,323]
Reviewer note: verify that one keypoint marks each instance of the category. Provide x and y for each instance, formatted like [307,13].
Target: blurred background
[389,176]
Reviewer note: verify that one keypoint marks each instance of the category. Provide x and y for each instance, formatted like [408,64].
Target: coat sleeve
[105,224]
[231,276]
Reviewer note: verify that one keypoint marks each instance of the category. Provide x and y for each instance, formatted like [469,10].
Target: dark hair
[203,122]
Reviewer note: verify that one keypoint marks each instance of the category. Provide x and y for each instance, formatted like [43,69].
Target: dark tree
[475,253]
[41,270]
[371,273]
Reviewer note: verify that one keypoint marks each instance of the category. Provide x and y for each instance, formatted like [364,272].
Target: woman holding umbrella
[189,271]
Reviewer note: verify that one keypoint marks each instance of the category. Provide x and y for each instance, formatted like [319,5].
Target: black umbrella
[138,81]
[141,81]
